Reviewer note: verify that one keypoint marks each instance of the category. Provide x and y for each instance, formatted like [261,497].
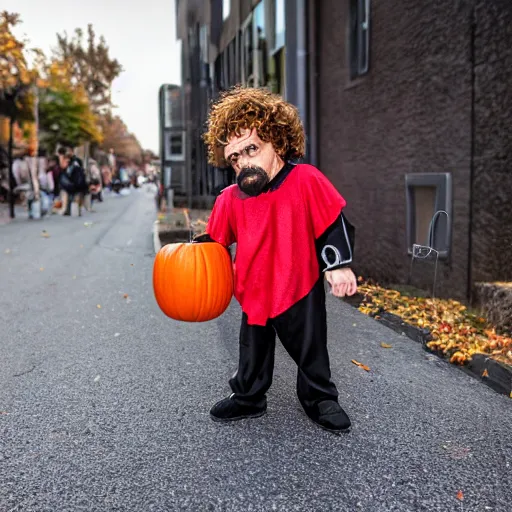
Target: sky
[140,35]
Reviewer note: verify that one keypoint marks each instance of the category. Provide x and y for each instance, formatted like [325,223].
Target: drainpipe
[472,159]
[296,59]
[312,82]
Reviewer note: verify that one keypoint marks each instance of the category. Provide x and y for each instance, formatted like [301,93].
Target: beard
[252,180]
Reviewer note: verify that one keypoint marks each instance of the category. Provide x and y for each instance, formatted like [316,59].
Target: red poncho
[276,263]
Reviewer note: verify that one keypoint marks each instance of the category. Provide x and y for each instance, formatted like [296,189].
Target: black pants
[302,330]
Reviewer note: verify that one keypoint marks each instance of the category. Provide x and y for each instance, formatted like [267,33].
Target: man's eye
[252,149]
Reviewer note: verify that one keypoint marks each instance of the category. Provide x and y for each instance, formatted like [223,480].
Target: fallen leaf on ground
[386,345]
[81,246]
[45,234]
[4,412]
[354,325]
[361,365]
[41,269]
[131,264]
[98,306]
[97,378]
[485,373]
[460,496]
[125,296]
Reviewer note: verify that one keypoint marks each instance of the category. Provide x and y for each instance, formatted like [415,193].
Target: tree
[65,115]
[90,65]
[16,81]
[116,136]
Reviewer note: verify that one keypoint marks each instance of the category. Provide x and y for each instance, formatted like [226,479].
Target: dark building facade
[436,99]
[406,108]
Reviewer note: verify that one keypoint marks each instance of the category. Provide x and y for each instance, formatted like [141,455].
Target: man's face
[255,162]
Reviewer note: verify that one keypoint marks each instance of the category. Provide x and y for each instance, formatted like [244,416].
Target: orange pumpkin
[193,282]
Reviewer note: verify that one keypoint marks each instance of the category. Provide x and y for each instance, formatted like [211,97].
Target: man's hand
[342,280]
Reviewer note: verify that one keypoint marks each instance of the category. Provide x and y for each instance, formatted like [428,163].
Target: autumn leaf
[45,234]
[125,296]
[41,269]
[386,345]
[98,306]
[460,496]
[361,365]
[485,373]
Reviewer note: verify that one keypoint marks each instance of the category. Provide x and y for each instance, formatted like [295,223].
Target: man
[73,158]
[72,183]
[289,228]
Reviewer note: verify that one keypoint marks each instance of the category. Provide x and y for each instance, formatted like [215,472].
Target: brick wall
[492,191]
[411,113]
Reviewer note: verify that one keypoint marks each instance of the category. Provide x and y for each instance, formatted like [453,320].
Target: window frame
[359,38]
[169,155]
[442,182]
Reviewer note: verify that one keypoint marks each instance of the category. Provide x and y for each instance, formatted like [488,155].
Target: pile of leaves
[457,333]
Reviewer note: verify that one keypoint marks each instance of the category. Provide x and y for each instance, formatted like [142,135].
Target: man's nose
[243,161]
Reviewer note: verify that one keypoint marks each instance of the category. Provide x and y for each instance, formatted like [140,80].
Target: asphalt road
[104,401]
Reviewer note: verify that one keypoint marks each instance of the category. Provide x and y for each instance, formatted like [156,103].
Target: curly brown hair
[240,108]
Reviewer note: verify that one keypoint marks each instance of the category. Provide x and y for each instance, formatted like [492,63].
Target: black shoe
[230,410]
[329,415]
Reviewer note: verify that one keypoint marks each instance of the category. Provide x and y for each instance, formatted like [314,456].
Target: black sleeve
[202,238]
[335,247]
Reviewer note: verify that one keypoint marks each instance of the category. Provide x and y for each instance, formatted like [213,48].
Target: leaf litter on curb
[45,234]
[386,345]
[457,333]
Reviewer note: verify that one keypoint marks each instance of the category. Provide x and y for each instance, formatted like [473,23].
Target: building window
[226,9]
[247,53]
[429,206]
[204,43]
[174,149]
[260,45]
[359,35]
[279,24]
